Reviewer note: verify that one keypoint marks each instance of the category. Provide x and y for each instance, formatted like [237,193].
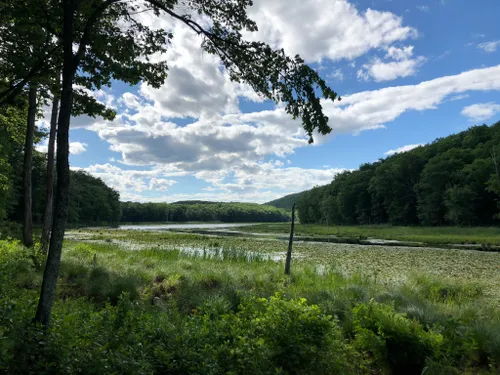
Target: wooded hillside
[285,202]
[452,181]
[207,211]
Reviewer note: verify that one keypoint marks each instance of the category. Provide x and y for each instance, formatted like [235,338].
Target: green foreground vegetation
[134,302]
[426,235]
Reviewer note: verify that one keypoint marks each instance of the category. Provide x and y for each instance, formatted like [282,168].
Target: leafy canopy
[113,44]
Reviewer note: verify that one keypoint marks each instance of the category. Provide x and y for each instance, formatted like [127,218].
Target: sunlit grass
[431,235]
[385,264]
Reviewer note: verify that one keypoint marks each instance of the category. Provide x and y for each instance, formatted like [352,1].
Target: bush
[394,341]
[10,229]
[264,336]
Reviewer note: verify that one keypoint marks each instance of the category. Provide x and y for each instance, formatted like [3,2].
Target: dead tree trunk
[47,220]
[28,159]
[290,244]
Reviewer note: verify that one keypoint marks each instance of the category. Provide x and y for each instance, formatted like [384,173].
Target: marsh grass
[429,235]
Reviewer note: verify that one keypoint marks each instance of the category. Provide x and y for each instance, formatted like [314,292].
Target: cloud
[75,148]
[481,111]
[459,97]
[382,71]
[326,29]
[489,46]
[127,181]
[130,100]
[336,74]
[373,109]
[403,149]
[403,65]
[255,182]
[196,85]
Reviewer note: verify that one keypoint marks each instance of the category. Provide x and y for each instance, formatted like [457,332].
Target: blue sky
[408,71]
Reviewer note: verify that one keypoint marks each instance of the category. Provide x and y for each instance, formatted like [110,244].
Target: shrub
[395,342]
[265,336]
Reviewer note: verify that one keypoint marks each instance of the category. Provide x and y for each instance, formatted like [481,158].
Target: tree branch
[14,90]
[85,40]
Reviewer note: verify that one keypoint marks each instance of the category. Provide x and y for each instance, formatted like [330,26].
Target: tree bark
[47,220]
[52,266]
[28,159]
[290,244]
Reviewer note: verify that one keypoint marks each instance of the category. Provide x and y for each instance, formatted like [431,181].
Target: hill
[452,181]
[134,212]
[194,202]
[285,202]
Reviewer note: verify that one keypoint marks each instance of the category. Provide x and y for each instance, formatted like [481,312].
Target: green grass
[429,235]
[192,300]
[388,264]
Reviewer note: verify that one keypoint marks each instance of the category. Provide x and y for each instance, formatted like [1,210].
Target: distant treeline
[452,181]
[134,212]
[285,202]
[91,201]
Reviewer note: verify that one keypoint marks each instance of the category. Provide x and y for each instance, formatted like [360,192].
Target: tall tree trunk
[47,220]
[28,158]
[52,266]
[290,244]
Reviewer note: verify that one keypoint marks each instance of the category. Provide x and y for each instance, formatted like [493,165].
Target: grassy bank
[186,304]
[429,235]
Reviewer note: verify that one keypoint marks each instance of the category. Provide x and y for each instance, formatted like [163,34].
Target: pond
[162,227]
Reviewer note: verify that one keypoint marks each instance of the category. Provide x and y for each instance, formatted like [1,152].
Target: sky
[408,72]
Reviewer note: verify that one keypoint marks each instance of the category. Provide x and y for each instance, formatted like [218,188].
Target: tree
[28,155]
[49,188]
[112,44]
[24,42]
[12,137]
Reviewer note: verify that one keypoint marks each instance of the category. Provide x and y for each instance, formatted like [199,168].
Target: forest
[91,201]
[452,181]
[134,212]
[285,202]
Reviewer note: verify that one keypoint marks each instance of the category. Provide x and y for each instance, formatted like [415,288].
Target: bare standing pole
[290,244]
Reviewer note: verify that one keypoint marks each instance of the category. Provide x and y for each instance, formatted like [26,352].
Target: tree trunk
[28,158]
[47,220]
[51,272]
[290,244]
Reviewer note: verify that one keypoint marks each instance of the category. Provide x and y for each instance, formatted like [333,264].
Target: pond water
[162,227]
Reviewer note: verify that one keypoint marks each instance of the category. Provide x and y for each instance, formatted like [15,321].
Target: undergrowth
[156,311]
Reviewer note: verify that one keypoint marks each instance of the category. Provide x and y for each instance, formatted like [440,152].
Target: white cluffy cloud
[326,29]
[481,111]
[75,148]
[489,46]
[373,109]
[126,181]
[403,149]
[402,65]
[255,182]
